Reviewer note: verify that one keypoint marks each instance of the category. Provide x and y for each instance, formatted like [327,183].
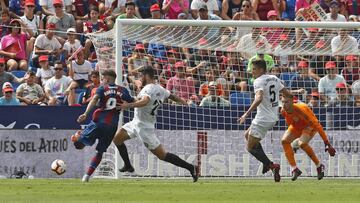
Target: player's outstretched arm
[254,105]
[137,104]
[89,107]
[285,92]
[177,99]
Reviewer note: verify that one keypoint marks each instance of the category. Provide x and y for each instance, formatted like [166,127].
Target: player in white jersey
[267,89]
[143,124]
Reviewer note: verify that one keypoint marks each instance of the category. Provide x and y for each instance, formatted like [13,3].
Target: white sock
[318,165]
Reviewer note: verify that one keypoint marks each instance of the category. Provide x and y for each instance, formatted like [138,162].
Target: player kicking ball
[143,124]
[303,125]
[267,89]
[104,120]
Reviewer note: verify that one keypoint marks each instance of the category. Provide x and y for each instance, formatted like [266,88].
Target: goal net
[208,63]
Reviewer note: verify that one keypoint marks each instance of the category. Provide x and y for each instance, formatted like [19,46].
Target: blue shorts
[103,133]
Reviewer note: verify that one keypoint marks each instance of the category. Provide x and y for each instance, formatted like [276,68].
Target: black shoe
[320,171]
[295,174]
[127,169]
[195,173]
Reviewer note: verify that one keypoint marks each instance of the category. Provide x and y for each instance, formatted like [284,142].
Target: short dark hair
[130,3]
[148,70]
[31,73]
[94,8]
[95,72]
[110,73]
[259,63]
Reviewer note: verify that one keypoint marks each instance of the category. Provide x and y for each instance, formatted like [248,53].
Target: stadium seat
[286,77]
[80,97]
[18,73]
[240,98]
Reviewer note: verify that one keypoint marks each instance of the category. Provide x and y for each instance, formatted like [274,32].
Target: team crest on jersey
[296,119]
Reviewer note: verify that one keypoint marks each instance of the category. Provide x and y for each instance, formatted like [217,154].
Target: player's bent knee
[285,141]
[302,144]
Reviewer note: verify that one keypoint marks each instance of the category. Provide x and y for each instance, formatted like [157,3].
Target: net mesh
[218,87]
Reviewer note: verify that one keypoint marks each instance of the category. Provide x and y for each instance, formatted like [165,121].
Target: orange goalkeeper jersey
[303,117]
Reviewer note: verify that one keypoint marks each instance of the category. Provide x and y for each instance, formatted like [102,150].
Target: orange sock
[310,152]
[289,153]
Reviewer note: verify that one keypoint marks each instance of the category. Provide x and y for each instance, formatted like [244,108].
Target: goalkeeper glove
[328,148]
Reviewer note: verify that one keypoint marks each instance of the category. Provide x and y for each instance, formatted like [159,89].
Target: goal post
[211,136]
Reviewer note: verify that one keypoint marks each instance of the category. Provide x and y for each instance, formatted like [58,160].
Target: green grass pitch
[180,190]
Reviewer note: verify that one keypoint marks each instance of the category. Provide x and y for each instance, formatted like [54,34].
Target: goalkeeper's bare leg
[286,141]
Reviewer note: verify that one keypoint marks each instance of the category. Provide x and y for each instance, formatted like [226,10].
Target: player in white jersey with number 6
[143,125]
[267,89]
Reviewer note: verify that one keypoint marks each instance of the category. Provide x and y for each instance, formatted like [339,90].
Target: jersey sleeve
[258,85]
[126,95]
[145,92]
[100,91]
[281,85]
[314,122]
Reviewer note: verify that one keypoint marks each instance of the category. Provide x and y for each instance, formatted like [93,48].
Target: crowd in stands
[46,58]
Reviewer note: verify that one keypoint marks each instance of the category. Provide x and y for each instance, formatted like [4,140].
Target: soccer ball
[58,166]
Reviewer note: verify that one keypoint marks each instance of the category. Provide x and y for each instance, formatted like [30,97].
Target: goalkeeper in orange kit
[303,125]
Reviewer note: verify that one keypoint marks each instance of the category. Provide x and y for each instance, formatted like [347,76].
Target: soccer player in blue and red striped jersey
[104,120]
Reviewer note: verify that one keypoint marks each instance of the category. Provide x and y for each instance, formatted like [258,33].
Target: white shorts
[145,134]
[259,129]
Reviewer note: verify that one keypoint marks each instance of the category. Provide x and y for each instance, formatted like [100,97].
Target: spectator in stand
[48,6]
[129,11]
[168,68]
[5,21]
[246,13]
[211,34]
[212,99]
[142,8]
[33,22]
[30,93]
[272,34]
[327,84]
[81,11]
[62,20]
[351,71]
[56,86]
[234,72]
[352,7]
[16,8]
[301,4]
[71,44]
[13,46]
[306,43]
[288,10]
[79,71]
[180,85]
[8,99]
[282,50]
[139,58]
[314,100]
[92,87]
[302,82]
[317,62]
[262,8]
[344,44]
[355,89]
[7,77]
[45,72]
[155,11]
[342,98]
[210,78]
[95,25]
[252,43]
[47,44]
[212,7]
[172,8]
[334,12]
[230,8]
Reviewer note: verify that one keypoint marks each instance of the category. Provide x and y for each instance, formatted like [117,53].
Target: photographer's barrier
[219,153]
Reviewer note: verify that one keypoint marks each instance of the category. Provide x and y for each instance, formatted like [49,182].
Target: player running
[303,125]
[267,89]
[104,121]
[143,125]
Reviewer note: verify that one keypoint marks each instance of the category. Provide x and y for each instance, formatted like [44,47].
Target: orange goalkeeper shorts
[298,133]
